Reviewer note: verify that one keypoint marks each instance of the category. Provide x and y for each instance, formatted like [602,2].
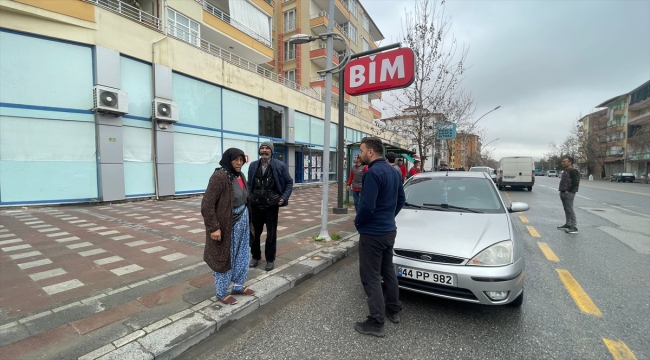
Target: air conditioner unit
[165,111]
[107,100]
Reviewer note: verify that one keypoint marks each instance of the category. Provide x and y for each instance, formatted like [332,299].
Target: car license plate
[428,276]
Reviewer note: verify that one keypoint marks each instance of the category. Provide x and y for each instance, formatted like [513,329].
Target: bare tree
[639,142]
[435,95]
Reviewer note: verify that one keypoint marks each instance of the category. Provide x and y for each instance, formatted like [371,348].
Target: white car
[552,173]
[485,169]
[455,240]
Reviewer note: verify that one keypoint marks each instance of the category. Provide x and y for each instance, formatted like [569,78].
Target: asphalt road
[316,319]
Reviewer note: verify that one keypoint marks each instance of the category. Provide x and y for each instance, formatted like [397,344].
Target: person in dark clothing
[381,200]
[270,186]
[569,183]
[225,214]
[390,157]
[354,181]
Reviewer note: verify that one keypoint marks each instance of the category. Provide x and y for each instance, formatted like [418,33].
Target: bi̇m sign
[380,72]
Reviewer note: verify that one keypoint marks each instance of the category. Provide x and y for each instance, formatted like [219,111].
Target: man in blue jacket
[382,198]
[269,186]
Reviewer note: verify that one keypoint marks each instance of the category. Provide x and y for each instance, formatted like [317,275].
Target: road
[602,312]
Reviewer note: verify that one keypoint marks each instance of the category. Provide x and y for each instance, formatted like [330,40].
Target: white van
[516,172]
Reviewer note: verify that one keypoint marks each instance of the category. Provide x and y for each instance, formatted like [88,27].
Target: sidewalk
[128,281]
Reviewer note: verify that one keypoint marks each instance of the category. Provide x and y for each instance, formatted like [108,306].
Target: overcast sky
[544,62]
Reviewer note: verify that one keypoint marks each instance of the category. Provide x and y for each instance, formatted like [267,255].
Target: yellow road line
[523,219]
[532,231]
[625,191]
[619,350]
[550,255]
[578,294]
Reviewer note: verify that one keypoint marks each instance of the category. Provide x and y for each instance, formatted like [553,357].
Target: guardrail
[128,11]
[227,19]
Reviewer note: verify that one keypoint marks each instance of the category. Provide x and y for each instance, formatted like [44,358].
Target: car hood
[459,234]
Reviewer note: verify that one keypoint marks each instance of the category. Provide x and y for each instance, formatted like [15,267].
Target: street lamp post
[329,36]
[471,127]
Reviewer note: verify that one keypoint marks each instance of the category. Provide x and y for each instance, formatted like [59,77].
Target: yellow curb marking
[624,191]
[523,219]
[532,231]
[550,255]
[578,294]
[619,350]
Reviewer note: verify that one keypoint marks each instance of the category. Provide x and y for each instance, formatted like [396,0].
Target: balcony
[341,13]
[374,96]
[128,11]
[376,113]
[318,54]
[318,84]
[318,23]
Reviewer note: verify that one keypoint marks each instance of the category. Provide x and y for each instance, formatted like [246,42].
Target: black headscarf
[227,158]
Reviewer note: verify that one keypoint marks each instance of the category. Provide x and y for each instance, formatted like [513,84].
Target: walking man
[270,186]
[354,181]
[568,188]
[381,200]
[390,157]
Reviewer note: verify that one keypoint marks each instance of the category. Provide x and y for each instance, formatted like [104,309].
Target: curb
[170,337]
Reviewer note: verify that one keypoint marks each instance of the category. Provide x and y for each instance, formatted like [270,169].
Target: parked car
[456,240]
[487,170]
[516,172]
[552,173]
[622,177]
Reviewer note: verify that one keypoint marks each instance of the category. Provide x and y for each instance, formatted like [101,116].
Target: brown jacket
[216,209]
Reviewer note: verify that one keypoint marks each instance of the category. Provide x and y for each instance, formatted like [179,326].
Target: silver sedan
[455,240]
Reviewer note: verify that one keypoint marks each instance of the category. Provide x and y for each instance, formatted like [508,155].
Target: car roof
[455,174]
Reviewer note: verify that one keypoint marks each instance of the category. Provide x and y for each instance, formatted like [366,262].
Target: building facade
[464,152]
[205,61]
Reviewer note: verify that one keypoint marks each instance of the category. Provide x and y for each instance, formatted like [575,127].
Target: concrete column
[164,135]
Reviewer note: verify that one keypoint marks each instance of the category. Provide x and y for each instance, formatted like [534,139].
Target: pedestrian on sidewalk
[381,200]
[402,167]
[226,216]
[390,157]
[354,181]
[415,169]
[270,187]
[569,183]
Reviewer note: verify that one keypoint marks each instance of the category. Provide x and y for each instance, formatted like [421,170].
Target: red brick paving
[106,317]
[19,349]
[165,295]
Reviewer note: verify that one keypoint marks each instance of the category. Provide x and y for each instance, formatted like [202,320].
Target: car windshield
[479,169]
[448,193]
[627,174]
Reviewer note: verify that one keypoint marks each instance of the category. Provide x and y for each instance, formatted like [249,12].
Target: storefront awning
[408,158]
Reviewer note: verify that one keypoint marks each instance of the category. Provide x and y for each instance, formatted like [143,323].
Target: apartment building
[464,151]
[593,143]
[104,100]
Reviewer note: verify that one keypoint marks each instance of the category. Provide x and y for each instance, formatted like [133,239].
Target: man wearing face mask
[270,186]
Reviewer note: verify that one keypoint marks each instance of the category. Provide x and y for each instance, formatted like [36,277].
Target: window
[366,23]
[352,6]
[290,20]
[290,75]
[289,51]
[366,45]
[351,31]
[271,120]
[350,108]
[364,97]
[182,27]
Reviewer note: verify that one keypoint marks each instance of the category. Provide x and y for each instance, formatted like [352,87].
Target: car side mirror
[518,207]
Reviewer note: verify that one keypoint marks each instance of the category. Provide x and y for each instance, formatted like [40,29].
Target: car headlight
[498,254]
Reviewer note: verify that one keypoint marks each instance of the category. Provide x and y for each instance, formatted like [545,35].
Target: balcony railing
[242,63]
[128,11]
[227,19]
[322,78]
[319,14]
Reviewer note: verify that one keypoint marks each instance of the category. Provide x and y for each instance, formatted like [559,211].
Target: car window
[476,194]
[479,169]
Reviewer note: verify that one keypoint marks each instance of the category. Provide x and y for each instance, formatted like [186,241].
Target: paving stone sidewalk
[115,280]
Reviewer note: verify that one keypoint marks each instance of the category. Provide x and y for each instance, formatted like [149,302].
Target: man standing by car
[269,185]
[381,200]
[569,183]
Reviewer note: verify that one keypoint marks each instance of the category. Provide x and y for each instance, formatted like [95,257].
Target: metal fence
[128,11]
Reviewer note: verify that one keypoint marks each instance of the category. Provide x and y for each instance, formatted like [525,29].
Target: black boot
[370,327]
[253,263]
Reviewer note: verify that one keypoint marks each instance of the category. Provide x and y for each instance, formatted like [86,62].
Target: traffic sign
[445,131]
[379,72]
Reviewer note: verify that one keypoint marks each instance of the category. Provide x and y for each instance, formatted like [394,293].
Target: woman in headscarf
[226,217]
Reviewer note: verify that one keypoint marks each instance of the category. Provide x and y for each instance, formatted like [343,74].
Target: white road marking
[7,236]
[98,228]
[92,252]
[77,221]
[153,220]
[79,245]
[281,228]
[584,197]
[69,218]
[166,223]
[136,243]
[154,249]
[121,237]
[17,247]
[196,231]
[34,222]
[72,238]
[108,260]
[126,269]
[64,286]
[40,226]
[25,255]
[12,241]
[173,257]
[181,226]
[47,274]
[36,263]
[58,234]
[111,232]
[48,230]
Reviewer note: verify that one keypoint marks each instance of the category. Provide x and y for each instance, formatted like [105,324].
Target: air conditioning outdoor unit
[107,100]
[165,111]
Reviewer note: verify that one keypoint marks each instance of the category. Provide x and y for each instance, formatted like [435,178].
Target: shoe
[269,266]
[563,227]
[253,263]
[572,230]
[393,317]
[370,327]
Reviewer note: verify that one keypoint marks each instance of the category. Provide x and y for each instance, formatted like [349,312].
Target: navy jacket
[283,180]
[382,198]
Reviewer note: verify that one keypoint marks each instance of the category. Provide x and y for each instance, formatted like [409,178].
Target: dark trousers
[268,217]
[375,263]
[567,204]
